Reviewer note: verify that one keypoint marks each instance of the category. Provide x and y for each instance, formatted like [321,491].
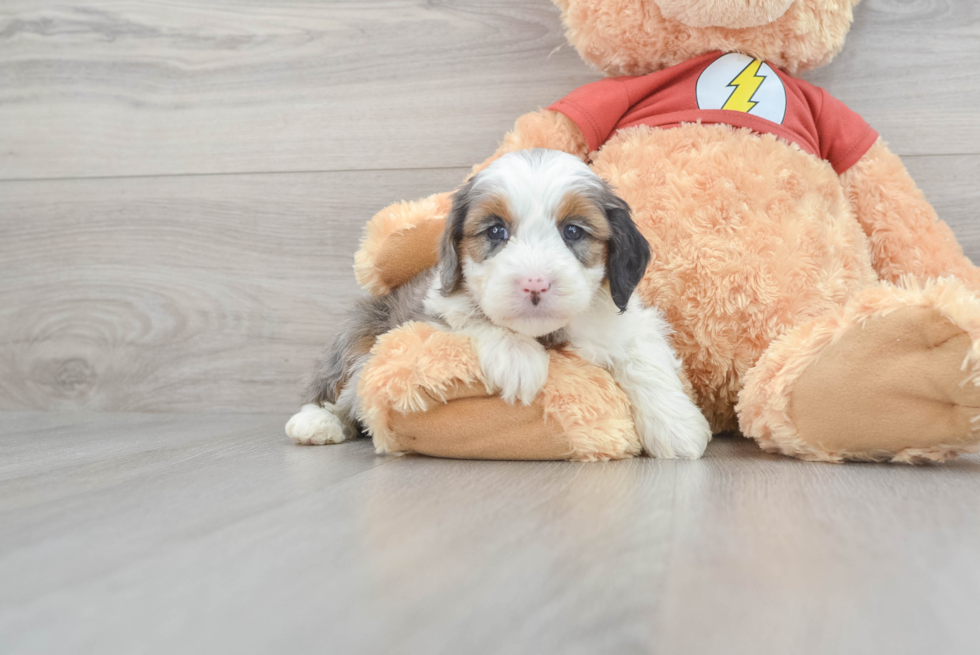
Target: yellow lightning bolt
[746,84]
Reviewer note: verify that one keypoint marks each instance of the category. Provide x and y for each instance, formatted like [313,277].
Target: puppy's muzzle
[535,288]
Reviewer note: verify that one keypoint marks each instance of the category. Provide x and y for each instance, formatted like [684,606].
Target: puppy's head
[532,238]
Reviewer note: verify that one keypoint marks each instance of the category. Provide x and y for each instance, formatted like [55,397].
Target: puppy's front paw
[315,426]
[513,365]
[682,433]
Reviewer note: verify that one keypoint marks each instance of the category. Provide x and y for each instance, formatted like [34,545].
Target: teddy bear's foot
[892,376]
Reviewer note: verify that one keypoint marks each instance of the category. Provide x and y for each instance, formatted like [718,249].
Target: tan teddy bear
[819,304]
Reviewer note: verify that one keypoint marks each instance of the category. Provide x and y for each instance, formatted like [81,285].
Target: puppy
[537,252]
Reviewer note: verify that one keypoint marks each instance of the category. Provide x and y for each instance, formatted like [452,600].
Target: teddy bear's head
[636,37]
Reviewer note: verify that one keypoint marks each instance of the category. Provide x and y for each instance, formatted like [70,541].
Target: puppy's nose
[535,287]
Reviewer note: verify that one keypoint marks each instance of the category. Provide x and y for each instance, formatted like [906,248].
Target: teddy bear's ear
[627,251]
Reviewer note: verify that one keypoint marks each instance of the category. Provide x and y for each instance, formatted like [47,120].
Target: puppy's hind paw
[316,426]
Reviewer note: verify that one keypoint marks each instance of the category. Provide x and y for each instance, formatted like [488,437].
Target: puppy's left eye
[572,233]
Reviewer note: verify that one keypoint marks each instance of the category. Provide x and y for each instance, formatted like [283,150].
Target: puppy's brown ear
[450,266]
[628,252]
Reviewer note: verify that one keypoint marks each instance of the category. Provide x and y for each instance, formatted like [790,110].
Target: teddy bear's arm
[402,239]
[541,129]
[906,235]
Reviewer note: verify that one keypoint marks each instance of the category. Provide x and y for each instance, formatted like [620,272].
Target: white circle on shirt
[740,83]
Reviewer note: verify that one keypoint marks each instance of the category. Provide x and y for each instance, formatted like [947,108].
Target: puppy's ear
[628,252]
[450,266]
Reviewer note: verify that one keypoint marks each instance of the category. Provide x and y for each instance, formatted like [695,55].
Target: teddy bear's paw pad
[315,426]
[901,381]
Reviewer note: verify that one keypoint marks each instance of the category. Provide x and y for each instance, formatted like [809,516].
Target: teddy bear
[819,305]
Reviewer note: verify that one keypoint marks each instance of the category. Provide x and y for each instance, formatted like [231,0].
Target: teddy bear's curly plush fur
[827,316]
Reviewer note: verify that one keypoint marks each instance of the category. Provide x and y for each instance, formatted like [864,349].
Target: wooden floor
[182,186]
[209,534]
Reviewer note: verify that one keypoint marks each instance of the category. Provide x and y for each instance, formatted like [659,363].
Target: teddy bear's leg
[893,375]
[904,232]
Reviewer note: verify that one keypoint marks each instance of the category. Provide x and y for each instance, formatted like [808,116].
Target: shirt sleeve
[596,108]
[843,134]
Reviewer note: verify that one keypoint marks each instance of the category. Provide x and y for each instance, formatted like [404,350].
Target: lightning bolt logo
[745,85]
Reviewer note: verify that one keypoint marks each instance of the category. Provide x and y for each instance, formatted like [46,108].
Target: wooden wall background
[182,184]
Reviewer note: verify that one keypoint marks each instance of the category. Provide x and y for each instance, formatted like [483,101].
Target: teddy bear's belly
[749,236]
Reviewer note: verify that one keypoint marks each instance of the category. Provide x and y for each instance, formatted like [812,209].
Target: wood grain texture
[200,293]
[202,534]
[214,293]
[906,68]
[152,87]
[147,87]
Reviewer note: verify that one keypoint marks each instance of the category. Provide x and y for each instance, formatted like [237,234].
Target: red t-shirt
[732,89]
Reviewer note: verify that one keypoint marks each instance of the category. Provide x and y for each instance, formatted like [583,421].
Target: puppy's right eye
[572,233]
[497,233]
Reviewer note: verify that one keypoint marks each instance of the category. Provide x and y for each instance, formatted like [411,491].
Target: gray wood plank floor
[208,533]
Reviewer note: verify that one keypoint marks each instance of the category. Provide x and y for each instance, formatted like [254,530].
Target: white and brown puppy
[537,251]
